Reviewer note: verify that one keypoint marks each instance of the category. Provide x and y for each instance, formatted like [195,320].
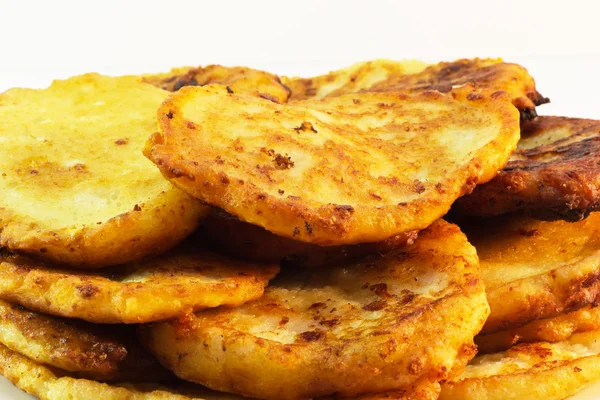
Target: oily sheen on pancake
[554,174]
[531,371]
[535,269]
[168,286]
[99,352]
[239,79]
[344,170]
[381,324]
[75,187]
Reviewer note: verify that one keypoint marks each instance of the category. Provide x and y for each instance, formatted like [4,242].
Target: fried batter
[490,74]
[232,237]
[535,269]
[75,187]
[238,79]
[92,351]
[544,371]
[49,384]
[378,325]
[178,282]
[344,170]
[554,174]
[554,329]
[352,79]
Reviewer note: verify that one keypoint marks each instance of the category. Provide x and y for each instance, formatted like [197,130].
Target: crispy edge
[331,225]
[550,330]
[148,229]
[101,300]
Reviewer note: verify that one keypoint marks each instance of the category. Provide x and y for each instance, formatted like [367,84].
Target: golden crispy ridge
[351,169]
[238,79]
[378,325]
[489,74]
[232,237]
[535,269]
[92,351]
[352,79]
[554,174]
[544,371]
[173,284]
[75,187]
[52,384]
[552,330]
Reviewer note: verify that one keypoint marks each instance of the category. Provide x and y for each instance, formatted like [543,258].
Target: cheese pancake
[75,186]
[554,174]
[382,324]
[344,170]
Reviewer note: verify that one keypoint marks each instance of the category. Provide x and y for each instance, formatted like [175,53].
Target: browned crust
[566,187]
[228,235]
[482,73]
[260,83]
[329,224]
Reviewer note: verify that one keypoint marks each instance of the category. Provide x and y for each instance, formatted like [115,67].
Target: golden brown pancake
[382,324]
[344,170]
[554,174]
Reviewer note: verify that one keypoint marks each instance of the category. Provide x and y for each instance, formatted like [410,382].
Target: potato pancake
[92,351]
[230,236]
[536,269]
[168,286]
[553,329]
[344,170]
[554,174]
[238,79]
[49,384]
[530,371]
[382,324]
[490,74]
[75,186]
[352,79]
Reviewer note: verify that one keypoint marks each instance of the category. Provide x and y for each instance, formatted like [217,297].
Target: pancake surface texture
[344,170]
[531,371]
[554,174]
[183,280]
[383,324]
[75,187]
[535,269]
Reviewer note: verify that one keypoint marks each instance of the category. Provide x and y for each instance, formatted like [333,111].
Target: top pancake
[414,76]
[554,174]
[350,169]
[240,79]
[75,186]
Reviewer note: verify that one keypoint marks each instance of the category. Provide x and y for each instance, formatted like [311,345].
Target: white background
[559,42]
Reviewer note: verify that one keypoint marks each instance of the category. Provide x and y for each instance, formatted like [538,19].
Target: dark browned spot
[170,115]
[356,101]
[305,126]
[88,290]
[343,207]
[137,208]
[577,369]
[283,162]
[375,306]
[34,172]
[380,289]
[310,336]
[280,191]
[269,97]
[376,197]
[229,90]
[309,229]
[418,186]
[296,231]
[121,142]
[474,96]
[190,125]
[283,321]
[317,306]
[330,322]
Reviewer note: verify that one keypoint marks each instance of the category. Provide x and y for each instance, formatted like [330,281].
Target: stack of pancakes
[224,233]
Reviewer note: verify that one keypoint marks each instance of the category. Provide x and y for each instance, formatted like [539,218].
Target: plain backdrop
[558,41]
